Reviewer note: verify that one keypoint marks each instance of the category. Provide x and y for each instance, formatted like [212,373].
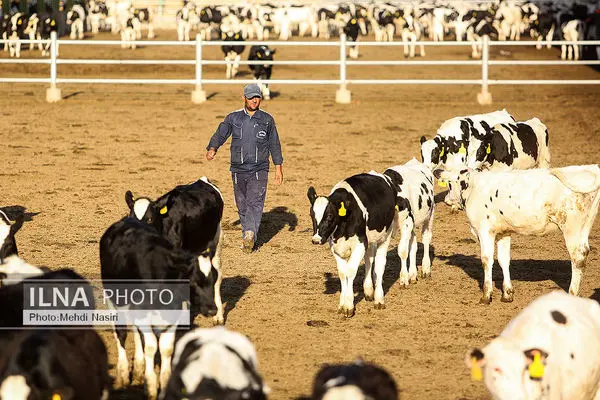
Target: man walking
[253,137]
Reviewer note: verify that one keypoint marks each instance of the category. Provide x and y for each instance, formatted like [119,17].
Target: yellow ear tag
[259,55]
[462,149]
[488,150]
[237,36]
[536,368]
[163,210]
[397,209]
[342,211]
[476,372]
[442,184]
[20,21]
[353,21]
[52,23]
[56,396]
[442,152]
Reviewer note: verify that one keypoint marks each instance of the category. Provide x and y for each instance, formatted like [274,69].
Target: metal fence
[343,94]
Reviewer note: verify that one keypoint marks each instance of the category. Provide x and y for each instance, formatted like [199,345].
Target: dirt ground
[68,165]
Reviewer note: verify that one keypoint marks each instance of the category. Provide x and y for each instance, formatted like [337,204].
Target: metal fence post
[343,95]
[198,95]
[53,93]
[485,97]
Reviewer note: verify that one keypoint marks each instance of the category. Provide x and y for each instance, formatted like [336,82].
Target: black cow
[4,26]
[232,52]
[262,72]
[357,220]
[353,382]
[48,24]
[133,250]
[543,28]
[189,217]
[8,245]
[50,364]
[351,30]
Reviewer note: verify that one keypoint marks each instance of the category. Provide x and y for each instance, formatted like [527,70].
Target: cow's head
[458,186]
[433,152]
[202,288]
[144,210]
[508,371]
[328,212]
[8,245]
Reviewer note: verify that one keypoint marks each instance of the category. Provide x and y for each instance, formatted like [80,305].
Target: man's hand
[210,154]
[278,175]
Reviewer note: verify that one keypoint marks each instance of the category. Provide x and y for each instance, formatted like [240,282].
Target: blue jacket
[253,138]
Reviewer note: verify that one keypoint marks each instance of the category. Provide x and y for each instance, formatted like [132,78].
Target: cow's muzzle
[317,239]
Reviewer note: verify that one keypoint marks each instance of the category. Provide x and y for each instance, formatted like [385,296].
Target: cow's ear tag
[56,396]
[476,372]
[52,23]
[163,210]
[536,368]
[462,149]
[488,149]
[237,36]
[342,210]
[397,209]
[353,21]
[442,152]
[259,55]
[442,184]
[20,21]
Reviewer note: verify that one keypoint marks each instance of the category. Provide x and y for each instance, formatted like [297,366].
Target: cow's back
[417,188]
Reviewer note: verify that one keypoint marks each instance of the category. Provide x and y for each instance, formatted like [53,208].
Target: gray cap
[252,90]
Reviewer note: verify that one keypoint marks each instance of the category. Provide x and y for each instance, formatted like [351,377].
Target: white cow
[76,18]
[572,30]
[510,16]
[415,205]
[551,350]
[412,31]
[529,202]
[184,22]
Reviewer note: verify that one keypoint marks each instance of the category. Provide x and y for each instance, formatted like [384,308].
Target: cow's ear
[312,195]
[475,359]
[423,139]
[273,51]
[129,199]
[536,363]
[14,228]
[438,173]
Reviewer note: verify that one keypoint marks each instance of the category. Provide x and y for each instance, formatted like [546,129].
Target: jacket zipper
[241,137]
[256,154]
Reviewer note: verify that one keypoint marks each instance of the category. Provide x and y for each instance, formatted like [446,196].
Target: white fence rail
[343,95]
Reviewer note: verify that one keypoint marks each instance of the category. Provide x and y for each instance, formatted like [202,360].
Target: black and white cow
[184,19]
[262,72]
[76,20]
[133,250]
[528,202]
[355,381]
[519,145]
[4,29]
[413,182]
[476,31]
[458,139]
[542,28]
[47,26]
[550,350]
[232,52]
[215,363]
[8,245]
[351,30]
[572,31]
[146,17]
[16,32]
[32,30]
[357,219]
[189,217]
[412,31]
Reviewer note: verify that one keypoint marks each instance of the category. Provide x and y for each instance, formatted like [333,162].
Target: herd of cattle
[496,169]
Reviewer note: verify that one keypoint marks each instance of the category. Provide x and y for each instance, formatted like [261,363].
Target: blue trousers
[250,190]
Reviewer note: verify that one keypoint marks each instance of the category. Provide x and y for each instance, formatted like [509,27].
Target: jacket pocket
[237,131]
[237,157]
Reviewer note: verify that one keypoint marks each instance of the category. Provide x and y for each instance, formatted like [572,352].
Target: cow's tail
[579,178]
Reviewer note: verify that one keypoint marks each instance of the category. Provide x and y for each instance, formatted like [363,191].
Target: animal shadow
[232,290]
[558,271]
[596,295]
[12,212]
[390,276]
[128,393]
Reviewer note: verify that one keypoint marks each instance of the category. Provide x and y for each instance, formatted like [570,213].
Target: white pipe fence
[342,95]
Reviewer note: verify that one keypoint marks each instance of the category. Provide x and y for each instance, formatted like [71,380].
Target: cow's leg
[412,267]
[380,260]
[150,347]
[539,44]
[358,253]
[549,37]
[486,242]
[578,247]
[422,53]
[236,64]
[570,52]
[405,39]
[180,31]
[563,52]
[427,233]
[219,318]
[18,49]
[6,45]
[150,30]
[341,267]
[122,379]
[368,282]
[165,345]
[138,358]
[228,72]
[504,261]
[403,249]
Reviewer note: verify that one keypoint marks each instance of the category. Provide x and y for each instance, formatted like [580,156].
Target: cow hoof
[507,298]
[340,309]
[425,275]
[348,312]
[218,320]
[404,286]
[379,306]
[369,297]
[485,300]
[413,279]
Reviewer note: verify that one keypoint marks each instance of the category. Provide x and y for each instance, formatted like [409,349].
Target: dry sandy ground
[69,164]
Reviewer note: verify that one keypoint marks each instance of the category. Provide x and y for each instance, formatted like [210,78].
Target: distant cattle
[146,17]
[128,33]
[76,19]
[412,31]
[550,350]
[355,381]
[357,219]
[528,202]
[351,30]
[262,72]
[542,28]
[8,244]
[184,18]
[215,363]
[232,52]
[413,183]
[572,31]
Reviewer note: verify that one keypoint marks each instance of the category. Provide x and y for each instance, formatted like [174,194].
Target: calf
[548,351]
[76,18]
[351,30]
[8,245]
[572,30]
[262,72]
[475,33]
[510,17]
[415,205]
[520,145]
[458,137]
[56,364]
[356,381]
[189,217]
[47,26]
[215,363]
[16,32]
[184,25]
[529,202]
[128,33]
[357,219]
[412,31]
[133,250]
[32,30]
[543,28]
[232,52]
[146,17]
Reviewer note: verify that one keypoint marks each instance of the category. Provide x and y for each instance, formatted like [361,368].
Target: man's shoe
[248,242]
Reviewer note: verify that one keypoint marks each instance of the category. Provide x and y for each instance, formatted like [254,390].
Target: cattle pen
[343,94]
